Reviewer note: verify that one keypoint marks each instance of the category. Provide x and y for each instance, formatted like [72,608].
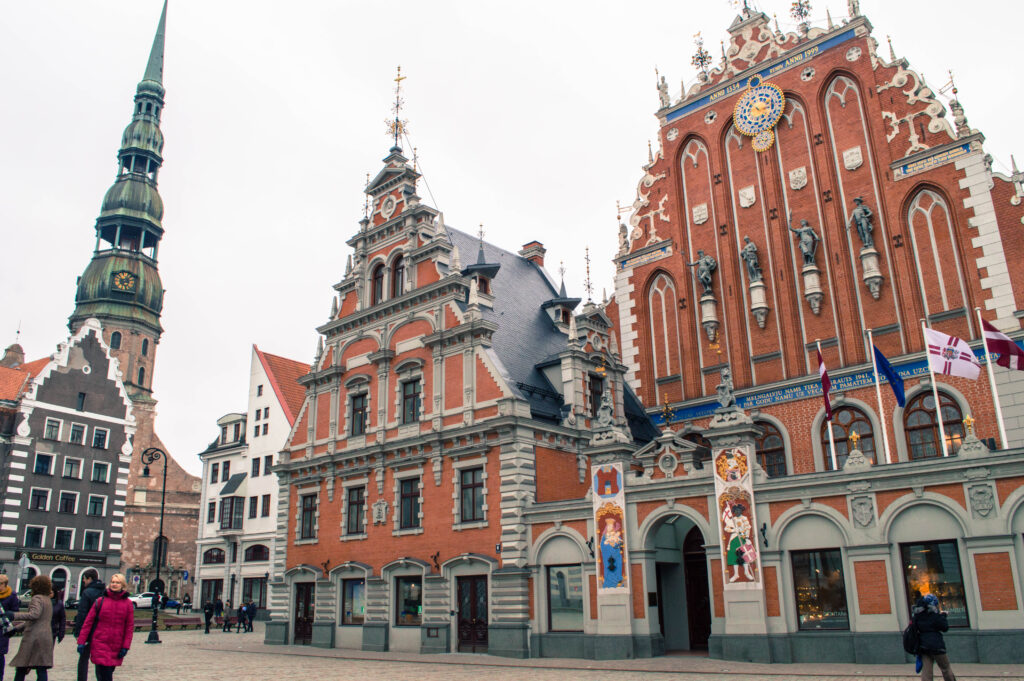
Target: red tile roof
[284,376]
[33,368]
[12,382]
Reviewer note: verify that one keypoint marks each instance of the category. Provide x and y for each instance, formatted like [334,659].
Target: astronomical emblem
[758,110]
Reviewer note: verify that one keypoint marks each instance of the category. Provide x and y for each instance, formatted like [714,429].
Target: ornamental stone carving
[863,511]
[982,501]
[380,512]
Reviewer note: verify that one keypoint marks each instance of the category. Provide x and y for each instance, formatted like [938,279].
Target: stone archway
[680,575]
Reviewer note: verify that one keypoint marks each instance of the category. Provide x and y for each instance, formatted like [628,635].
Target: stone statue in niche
[808,240]
[724,390]
[705,265]
[861,218]
[749,256]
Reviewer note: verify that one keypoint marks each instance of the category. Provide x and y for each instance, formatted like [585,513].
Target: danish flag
[950,355]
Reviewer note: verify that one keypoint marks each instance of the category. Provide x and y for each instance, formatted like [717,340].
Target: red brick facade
[995,581]
[872,587]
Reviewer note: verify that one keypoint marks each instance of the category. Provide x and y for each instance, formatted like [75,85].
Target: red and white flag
[826,385]
[1010,354]
[950,355]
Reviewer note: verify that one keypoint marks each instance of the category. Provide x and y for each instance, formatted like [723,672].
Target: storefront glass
[353,601]
[934,568]
[408,601]
[565,598]
[820,590]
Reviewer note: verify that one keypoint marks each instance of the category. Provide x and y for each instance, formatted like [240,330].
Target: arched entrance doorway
[681,577]
[59,577]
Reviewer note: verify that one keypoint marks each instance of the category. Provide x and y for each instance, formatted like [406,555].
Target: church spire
[155,67]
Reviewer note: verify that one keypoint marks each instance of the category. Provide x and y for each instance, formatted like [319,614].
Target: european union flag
[895,382]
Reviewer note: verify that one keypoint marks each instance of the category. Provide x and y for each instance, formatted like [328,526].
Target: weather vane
[480,234]
[588,286]
[666,411]
[701,58]
[398,126]
[561,269]
[366,199]
[800,10]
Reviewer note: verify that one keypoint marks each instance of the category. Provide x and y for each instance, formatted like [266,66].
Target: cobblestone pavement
[193,656]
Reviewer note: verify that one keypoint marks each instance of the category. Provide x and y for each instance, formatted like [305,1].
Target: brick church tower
[121,287]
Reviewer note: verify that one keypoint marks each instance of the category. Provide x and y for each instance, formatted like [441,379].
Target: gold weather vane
[588,286]
[666,411]
[398,126]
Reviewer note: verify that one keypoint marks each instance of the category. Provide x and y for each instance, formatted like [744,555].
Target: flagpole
[935,390]
[878,394]
[992,381]
[831,438]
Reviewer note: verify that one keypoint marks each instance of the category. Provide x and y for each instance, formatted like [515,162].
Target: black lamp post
[152,455]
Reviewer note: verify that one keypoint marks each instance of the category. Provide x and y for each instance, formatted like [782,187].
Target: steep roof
[284,376]
[12,383]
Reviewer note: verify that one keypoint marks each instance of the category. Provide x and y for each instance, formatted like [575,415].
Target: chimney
[534,252]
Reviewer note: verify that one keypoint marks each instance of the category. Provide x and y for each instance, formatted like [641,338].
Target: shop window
[356,501]
[307,528]
[565,598]
[214,556]
[254,590]
[471,493]
[771,450]
[408,601]
[409,500]
[922,428]
[934,568]
[820,590]
[353,601]
[845,422]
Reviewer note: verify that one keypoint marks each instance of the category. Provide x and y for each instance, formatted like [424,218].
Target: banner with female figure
[734,495]
[609,500]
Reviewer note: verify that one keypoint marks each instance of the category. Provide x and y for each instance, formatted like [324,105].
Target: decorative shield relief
[853,158]
[747,196]
[798,178]
[700,214]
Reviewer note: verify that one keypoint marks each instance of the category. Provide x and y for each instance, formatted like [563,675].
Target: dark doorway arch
[681,582]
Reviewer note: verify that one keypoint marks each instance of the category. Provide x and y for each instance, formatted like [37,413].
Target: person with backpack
[929,622]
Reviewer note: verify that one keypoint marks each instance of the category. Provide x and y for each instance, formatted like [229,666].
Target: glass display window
[820,590]
[565,598]
[408,601]
[353,601]
[934,568]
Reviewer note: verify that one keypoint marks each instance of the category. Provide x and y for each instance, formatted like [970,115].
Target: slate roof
[284,376]
[234,482]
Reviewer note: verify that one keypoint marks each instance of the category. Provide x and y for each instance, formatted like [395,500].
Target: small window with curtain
[820,589]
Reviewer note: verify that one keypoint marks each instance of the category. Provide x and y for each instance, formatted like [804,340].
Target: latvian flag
[1010,354]
[950,355]
[826,385]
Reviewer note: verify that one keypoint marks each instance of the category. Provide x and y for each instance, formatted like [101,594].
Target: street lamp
[152,455]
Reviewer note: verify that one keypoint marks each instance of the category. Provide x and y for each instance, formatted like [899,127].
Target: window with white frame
[35,535]
[471,494]
[358,405]
[67,502]
[100,471]
[409,503]
[409,406]
[99,438]
[211,512]
[72,468]
[52,429]
[39,499]
[97,505]
[92,540]
[77,436]
[43,465]
[268,461]
[63,539]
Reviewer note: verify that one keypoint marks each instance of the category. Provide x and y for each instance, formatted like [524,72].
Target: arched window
[160,551]
[922,429]
[845,421]
[145,347]
[377,285]
[483,285]
[703,445]
[257,552]
[771,450]
[664,324]
[142,376]
[115,340]
[213,556]
[397,277]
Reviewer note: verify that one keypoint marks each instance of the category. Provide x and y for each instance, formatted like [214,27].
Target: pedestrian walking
[251,614]
[241,618]
[36,649]
[226,624]
[107,633]
[58,623]
[931,622]
[9,604]
[207,614]
[218,607]
[186,603]
[92,588]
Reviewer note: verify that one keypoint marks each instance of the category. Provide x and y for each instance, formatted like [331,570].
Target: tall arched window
[213,556]
[142,376]
[397,277]
[664,325]
[845,421]
[115,340]
[145,347]
[771,450]
[377,285]
[922,428]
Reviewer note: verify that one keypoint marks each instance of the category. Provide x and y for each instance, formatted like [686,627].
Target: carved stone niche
[758,305]
[872,274]
[812,287]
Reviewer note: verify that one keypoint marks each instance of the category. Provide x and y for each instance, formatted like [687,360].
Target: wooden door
[472,614]
[304,613]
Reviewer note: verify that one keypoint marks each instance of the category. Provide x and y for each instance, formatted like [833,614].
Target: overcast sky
[529,117]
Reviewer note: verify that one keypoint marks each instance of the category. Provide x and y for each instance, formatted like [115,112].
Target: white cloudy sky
[530,117]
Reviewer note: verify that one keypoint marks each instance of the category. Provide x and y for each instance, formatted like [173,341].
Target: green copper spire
[155,67]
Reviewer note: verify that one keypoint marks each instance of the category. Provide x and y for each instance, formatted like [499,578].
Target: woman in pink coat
[113,618]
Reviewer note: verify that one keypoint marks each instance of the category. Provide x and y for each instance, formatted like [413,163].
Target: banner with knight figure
[609,498]
[734,496]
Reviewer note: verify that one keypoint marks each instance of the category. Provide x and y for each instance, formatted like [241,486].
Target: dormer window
[398,277]
[483,285]
[565,316]
[377,285]
[596,390]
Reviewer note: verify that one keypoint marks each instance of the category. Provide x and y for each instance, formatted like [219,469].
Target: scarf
[5,592]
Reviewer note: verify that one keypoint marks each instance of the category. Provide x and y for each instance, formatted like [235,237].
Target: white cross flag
[950,355]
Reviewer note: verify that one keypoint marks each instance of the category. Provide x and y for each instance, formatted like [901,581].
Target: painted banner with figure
[734,496]
[609,496]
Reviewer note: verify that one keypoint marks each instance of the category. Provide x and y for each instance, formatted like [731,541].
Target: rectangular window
[52,430]
[266,413]
[231,511]
[253,506]
[265,506]
[97,505]
[408,601]
[259,391]
[257,417]
[358,417]
[81,402]
[256,430]
[934,567]
[256,467]
[268,461]
[39,499]
[225,471]
[238,431]
[307,529]
[67,503]
[223,435]
[100,472]
[211,512]
[265,426]
[77,436]
[820,589]
[34,537]
[44,464]
[596,390]
[214,473]
[354,513]
[63,538]
[565,598]
[254,590]
[72,468]
[471,492]
[92,540]
[99,438]
[409,499]
[411,401]
[353,601]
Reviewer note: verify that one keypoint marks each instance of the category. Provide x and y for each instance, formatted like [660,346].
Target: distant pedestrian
[9,604]
[58,623]
[218,607]
[242,618]
[107,632]
[251,614]
[207,614]
[186,603]
[931,622]
[92,588]
[226,625]
[36,649]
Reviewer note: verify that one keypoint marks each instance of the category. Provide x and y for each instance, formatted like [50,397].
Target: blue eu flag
[895,382]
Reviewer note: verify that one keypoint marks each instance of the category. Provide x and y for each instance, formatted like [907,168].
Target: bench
[182,622]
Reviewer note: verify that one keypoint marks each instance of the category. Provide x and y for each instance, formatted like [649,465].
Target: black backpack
[912,638]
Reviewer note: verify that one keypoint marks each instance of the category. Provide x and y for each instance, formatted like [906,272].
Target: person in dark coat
[251,614]
[931,622]
[10,604]
[58,623]
[218,607]
[207,614]
[241,618]
[107,632]
[36,649]
[92,588]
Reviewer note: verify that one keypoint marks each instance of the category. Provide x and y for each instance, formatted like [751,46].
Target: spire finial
[892,52]
[828,15]
[561,273]
[701,58]
[155,67]
[800,10]
[366,200]
[722,43]
[650,153]
[415,159]
[398,126]
[588,286]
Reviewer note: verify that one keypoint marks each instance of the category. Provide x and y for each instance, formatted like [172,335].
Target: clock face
[763,140]
[124,281]
[760,107]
